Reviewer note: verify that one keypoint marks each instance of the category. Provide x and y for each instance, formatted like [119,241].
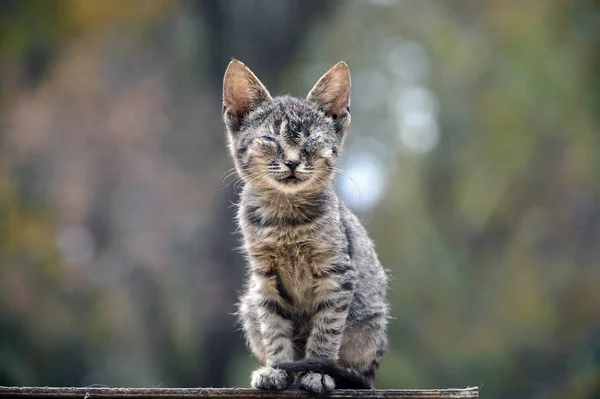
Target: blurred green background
[475,149]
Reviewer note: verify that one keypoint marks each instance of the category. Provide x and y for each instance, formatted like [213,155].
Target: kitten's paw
[316,383]
[270,378]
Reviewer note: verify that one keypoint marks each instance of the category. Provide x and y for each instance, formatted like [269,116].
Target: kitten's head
[286,143]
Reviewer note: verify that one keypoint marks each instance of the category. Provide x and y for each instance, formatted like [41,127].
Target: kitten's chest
[294,264]
[292,240]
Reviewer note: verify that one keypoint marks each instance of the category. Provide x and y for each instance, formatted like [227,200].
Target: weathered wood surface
[226,393]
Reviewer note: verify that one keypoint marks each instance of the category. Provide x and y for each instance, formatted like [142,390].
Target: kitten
[314,310]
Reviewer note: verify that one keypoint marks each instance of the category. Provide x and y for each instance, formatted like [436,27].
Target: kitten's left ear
[332,94]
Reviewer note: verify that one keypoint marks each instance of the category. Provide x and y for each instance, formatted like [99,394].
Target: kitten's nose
[292,165]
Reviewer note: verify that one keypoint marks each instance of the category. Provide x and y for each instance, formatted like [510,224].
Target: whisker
[227,185]
[338,170]
[237,181]
[251,178]
[230,172]
[238,184]
[227,171]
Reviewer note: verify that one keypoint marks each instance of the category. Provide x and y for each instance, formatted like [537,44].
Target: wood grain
[226,393]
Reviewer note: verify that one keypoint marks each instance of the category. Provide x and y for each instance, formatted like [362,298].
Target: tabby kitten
[314,311]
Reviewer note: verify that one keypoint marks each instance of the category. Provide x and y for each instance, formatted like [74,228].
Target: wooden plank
[226,393]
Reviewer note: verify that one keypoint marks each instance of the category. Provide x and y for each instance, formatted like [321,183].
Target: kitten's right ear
[242,91]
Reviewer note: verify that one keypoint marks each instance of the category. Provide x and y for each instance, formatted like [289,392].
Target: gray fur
[315,286]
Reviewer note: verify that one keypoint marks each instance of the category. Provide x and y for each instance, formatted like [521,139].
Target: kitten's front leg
[274,316]
[333,293]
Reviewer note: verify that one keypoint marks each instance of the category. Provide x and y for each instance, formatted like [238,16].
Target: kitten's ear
[332,93]
[242,91]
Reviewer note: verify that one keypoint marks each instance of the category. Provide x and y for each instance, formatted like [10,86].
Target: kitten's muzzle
[292,177]
[292,165]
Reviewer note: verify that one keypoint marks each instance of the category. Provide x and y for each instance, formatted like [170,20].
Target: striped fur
[315,289]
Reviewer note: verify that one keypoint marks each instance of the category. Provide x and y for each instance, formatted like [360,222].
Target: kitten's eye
[267,141]
[268,138]
[311,145]
[312,140]
[268,144]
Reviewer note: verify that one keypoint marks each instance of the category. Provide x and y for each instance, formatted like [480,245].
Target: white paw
[317,383]
[269,378]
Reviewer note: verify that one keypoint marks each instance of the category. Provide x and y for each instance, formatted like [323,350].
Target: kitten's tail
[344,378]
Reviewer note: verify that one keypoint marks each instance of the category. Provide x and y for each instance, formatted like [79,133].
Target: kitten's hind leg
[363,346]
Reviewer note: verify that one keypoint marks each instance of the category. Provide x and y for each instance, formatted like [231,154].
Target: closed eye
[268,138]
[311,140]
[311,145]
[269,142]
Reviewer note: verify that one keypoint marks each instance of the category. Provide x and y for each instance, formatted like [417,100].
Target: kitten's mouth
[291,179]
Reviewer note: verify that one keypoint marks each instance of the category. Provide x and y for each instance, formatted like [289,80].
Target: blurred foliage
[117,262]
